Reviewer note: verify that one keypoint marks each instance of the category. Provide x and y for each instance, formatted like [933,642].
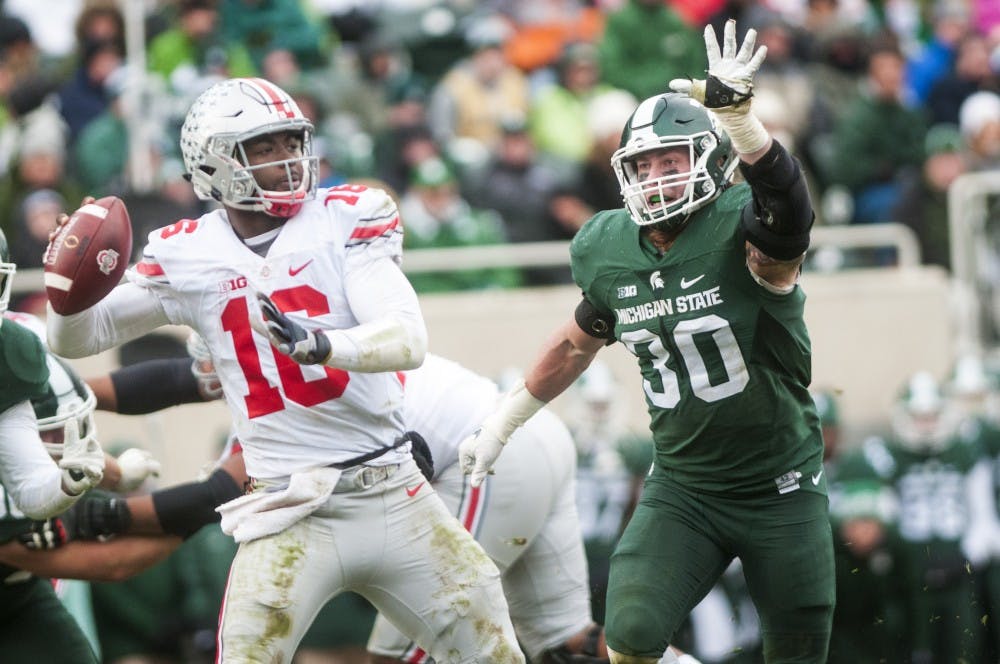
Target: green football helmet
[7,270]
[66,398]
[672,120]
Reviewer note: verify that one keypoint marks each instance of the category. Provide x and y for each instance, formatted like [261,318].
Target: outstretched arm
[563,357]
[115,560]
[777,223]
[127,313]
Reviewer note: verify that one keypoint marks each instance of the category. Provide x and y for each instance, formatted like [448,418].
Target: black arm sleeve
[147,387]
[184,509]
[779,219]
[594,322]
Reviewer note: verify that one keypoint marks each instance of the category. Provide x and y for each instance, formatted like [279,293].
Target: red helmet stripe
[280,105]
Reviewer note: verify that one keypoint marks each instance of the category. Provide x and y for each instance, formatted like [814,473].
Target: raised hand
[730,72]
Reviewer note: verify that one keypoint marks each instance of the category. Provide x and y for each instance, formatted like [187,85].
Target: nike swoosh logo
[688,284]
[412,492]
[292,271]
[815,478]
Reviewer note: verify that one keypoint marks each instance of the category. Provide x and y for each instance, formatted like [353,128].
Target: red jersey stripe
[149,269]
[367,232]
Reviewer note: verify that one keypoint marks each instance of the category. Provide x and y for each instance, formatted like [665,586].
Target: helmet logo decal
[272,99]
[107,259]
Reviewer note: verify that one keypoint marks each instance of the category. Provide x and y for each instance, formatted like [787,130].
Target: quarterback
[299,298]
[698,278]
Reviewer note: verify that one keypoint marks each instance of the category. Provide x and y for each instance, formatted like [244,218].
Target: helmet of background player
[218,124]
[672,120]
[974,387]
[596,416]
[66,398]
[7,270]
[922,418]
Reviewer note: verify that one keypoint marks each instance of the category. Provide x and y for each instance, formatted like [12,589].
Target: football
[88,256]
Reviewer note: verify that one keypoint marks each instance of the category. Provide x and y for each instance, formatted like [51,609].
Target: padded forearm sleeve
[153,385]
[184,509]
[781,215]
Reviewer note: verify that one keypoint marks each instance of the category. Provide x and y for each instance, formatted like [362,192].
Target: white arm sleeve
[391,335]
[29,474]
[128,312]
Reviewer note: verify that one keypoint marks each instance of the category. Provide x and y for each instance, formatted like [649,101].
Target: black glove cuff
[720,95]
[322,351]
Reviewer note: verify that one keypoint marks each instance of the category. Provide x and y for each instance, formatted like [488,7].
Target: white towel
[271,510]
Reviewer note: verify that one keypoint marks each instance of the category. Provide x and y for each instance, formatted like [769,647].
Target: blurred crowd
[491,121]
[494,122]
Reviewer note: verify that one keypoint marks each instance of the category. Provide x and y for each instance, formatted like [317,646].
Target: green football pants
[679,542]
[36,627]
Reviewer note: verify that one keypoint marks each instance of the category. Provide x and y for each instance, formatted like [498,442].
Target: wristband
[515,408]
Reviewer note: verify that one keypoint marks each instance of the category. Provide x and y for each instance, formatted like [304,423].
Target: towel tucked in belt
[270,510]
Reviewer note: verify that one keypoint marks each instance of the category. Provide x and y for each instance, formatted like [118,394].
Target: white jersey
[446,403]
[206,277]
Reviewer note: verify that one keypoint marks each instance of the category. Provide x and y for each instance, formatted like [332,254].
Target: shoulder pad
[22,364]
[593,231]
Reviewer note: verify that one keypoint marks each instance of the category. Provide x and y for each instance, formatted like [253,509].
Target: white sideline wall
[870,329]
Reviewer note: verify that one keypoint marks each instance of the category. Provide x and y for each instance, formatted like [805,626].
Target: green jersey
[725,362]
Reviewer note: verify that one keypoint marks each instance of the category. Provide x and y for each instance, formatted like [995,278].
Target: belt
[361,478]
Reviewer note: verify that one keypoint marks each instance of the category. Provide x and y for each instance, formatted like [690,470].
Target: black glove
[45,535]
[97,515]
[290,338]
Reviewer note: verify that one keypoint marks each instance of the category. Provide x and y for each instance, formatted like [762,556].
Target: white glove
[478,453]
[730,74]
[136,465]
[290,338]
[82,460]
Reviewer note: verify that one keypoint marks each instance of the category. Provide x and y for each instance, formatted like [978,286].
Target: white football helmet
[220,120]
[922,418]
[66,398]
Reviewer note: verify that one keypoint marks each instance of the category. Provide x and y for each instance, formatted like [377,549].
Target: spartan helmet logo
[656,281]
